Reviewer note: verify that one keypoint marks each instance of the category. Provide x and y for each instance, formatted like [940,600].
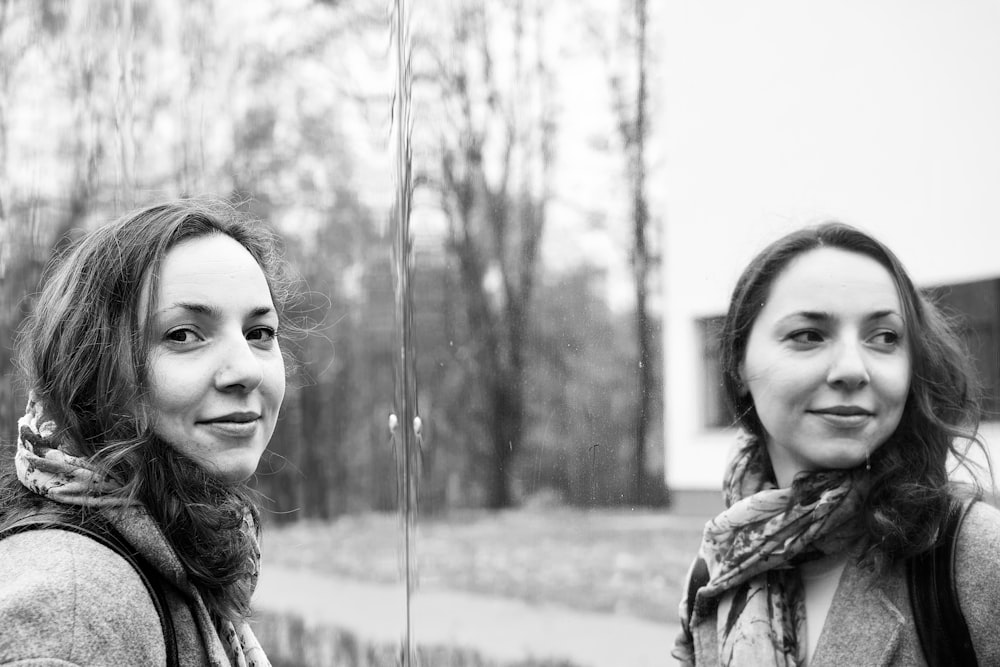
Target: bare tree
[32,227]
[494,170]
[634,130]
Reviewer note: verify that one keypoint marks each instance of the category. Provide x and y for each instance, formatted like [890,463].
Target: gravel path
[498,628]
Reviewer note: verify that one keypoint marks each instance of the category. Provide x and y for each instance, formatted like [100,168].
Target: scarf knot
[48,470]
[752,549]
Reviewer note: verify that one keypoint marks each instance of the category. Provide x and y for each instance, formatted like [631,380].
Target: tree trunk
[640,492]
[497,215]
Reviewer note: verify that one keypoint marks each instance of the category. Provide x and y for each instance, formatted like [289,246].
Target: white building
[776,114]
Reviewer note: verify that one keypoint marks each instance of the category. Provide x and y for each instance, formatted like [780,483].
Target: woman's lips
[844,416]
[232,429]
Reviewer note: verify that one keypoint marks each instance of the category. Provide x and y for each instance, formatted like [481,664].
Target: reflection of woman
[152,358]
[851,391]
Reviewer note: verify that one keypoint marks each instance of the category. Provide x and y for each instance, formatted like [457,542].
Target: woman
[155,378]
[851,391]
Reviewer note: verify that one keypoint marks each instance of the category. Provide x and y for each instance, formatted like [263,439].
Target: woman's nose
[239,368]
[848,368]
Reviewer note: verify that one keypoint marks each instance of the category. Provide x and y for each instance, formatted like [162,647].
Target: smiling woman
[852,391]
[827,362]
[155,379]
[216,376]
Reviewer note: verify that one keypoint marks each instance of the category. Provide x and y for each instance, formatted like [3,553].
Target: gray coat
[67,600]
[870,623]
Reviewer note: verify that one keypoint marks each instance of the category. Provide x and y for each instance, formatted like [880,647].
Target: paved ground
[497,628]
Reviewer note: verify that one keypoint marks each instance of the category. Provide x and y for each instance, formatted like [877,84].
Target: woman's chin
[236,471]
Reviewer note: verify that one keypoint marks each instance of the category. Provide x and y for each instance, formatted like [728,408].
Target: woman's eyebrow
[193,307]
[879,314]
[820,316]
[260,311]
[811,315]
[213,311]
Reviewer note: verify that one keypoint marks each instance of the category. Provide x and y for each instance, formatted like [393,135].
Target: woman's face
[828,362]
[216,374]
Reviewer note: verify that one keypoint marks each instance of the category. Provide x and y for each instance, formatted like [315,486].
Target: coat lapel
[863,625]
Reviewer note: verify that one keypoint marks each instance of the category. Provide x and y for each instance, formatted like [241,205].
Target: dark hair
[909,479]
[82,351]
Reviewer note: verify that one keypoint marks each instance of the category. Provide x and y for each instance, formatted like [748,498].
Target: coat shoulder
[64,596]
[978,545]
[977,574]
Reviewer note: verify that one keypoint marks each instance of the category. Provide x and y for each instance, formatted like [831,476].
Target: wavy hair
[910,488]
[84,350]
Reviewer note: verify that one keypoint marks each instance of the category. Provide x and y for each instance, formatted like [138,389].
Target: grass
[619,561]
[292,643]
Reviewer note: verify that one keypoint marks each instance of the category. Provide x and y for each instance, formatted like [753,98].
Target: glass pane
[541,539]
[490,157]
[285,109]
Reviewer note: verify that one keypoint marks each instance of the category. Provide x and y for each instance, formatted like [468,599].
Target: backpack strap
[941,626]
[105,534]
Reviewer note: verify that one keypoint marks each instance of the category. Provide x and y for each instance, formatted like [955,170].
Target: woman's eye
[887,338]
[807,336]
[181,336]
[262,334]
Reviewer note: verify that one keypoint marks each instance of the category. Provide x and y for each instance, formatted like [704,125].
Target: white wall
[780,113]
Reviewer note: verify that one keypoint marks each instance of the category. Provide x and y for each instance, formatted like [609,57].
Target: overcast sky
[885,114]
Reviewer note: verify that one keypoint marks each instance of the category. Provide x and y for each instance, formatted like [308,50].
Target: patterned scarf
[752,548]
[46,469]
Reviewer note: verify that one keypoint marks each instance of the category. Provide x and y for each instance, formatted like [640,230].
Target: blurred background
[570,190]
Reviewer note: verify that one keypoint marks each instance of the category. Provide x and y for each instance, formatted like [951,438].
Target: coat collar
[865,624]
[864,604]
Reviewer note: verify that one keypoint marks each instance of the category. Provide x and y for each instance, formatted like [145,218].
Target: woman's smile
[844,417]
[236,425]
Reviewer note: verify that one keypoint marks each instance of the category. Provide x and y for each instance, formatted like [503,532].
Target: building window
[976,305]
[715,409]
